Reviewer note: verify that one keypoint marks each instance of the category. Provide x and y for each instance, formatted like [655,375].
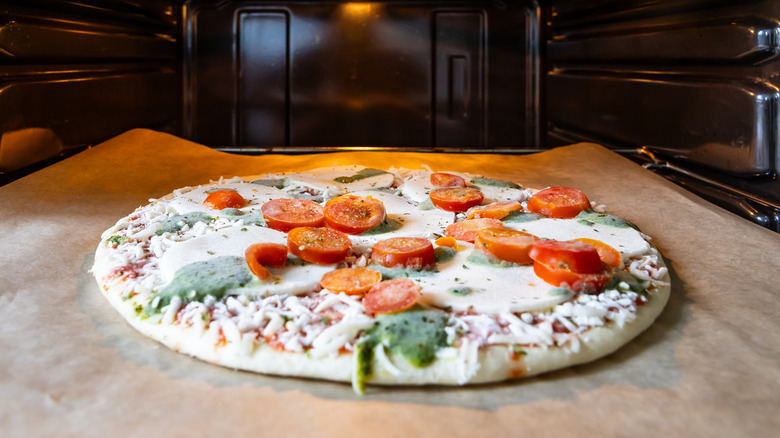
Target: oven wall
[693,82]
[75,73]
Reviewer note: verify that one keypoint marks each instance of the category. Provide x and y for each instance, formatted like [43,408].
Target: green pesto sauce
[415,334]
[116,240]
[391,273]
[232,212]
[625,278]
[591,217]
[177,222]
[254,218]
[516,217]
[490,182]
[216,189]
[444,254]
[460,291]
[197,280]
[279,183]
[480,258]
[388,225]
[426,205]
[361,174]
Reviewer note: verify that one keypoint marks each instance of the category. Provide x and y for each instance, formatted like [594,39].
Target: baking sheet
[70,366]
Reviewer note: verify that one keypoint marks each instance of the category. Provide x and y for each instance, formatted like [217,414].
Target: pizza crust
[492,363]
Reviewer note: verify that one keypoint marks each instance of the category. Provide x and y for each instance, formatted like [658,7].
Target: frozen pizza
[368,276]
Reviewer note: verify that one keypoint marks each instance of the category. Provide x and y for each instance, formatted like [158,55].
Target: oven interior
[688,88]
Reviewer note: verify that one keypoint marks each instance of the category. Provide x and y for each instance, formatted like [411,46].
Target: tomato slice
[409,252]
[318,245]
[351,281]
[579,282]
[607,254]
[392,296]
[456,199]
[222,199]
[496,210]
[570,254]
[559,202]
[448,241]
[260,255]
[354,214]
[506,244]
[286,214]
[467,230]
[443,179]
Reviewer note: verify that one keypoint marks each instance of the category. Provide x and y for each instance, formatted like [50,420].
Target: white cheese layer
[410,220]
[255,194]
[463,285]
[324,179]
[293,280]
[628,241]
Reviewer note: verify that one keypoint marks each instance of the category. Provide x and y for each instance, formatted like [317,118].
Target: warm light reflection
[357,10]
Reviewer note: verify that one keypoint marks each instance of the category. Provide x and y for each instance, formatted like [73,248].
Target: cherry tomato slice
[579,282]
[286,214]
[448,241]
[409,252]
[456,199]
[570,254]
[392,296]
[506,244]
[222,199]
[443,179]
[467,230]
[559,202]
[607,254]
[354,214]
[318,245]
[496,210]
[351,281]
[260,255]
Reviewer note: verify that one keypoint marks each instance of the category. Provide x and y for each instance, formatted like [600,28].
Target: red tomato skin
[558,202]
[578,282]
[513,246]
[456,199]
[443,179]
[353,214]
[318,245]
[260,255]
[221,199]
[408,252]
[466,230]
[285,214]
[570,254]
[391,296]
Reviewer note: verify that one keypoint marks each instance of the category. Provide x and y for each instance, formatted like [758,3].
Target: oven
[688,89]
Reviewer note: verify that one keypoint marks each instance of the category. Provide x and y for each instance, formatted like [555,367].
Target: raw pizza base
[488,363]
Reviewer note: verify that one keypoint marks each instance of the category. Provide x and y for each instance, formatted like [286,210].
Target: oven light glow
[357,10]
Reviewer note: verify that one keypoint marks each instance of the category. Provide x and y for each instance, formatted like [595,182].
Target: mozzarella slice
[295,280]
[255,194]
[325,180]
[628,241]
[463,285]
[412,221]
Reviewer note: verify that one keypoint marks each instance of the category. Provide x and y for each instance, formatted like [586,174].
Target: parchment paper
[70,366]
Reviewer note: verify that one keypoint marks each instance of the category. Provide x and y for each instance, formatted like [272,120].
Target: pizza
[388,277]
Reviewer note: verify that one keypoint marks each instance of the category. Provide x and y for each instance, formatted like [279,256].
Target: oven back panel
[412,74]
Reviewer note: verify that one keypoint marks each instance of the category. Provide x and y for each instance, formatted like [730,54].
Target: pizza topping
[221,199]
[408,252]
[443,179]
[490,182]
[354,214]
[571,255]
[351,281]
[456,199]
[506,244]
[318,245]
[392,296]
[496,210]
[559,202]
[285,214]
[607,254]
[467,230]
[577,281]
[448,241]
[260,255]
